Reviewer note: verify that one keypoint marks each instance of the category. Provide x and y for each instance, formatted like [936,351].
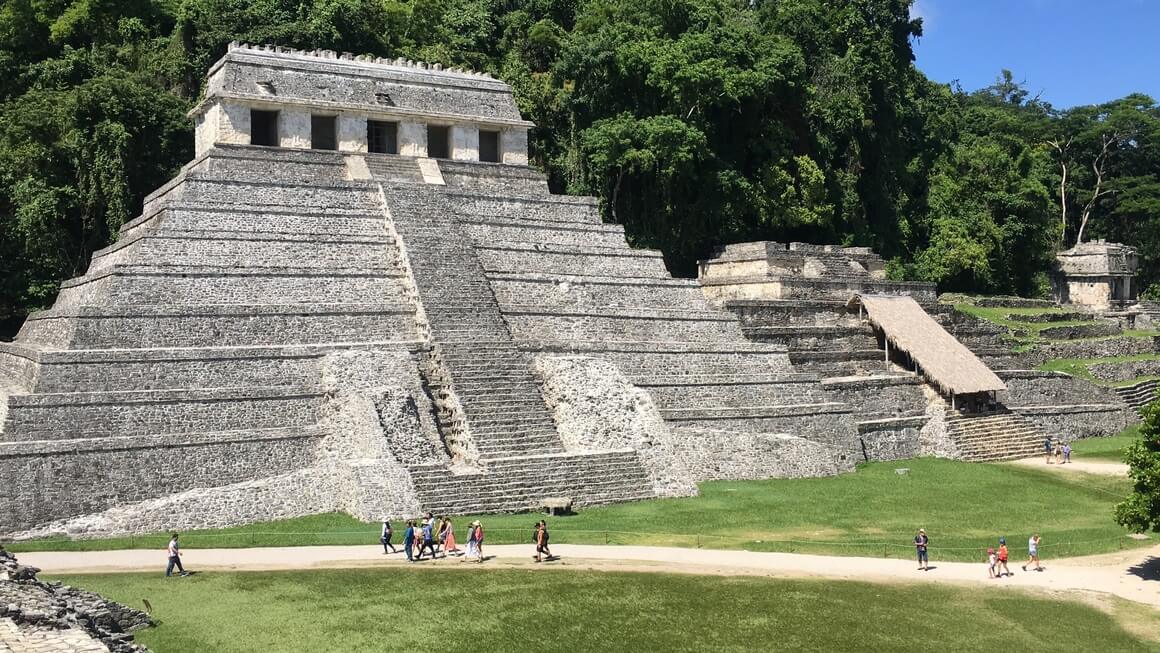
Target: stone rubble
[51,617]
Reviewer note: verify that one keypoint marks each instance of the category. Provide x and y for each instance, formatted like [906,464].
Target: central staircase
[520,459]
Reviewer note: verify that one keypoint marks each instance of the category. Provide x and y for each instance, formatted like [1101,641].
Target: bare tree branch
[1098,167]
[1061,148]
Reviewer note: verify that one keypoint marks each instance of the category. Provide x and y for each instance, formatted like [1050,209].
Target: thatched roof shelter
[942,360]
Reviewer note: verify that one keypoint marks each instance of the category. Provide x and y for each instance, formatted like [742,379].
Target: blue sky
[1070,52]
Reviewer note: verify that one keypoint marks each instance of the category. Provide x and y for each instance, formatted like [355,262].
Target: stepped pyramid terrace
[358,296]
[898,357]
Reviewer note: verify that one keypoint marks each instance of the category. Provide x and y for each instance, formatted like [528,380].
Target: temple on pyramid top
[324,100]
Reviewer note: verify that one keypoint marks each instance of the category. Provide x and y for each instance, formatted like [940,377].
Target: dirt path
[1086,466]
[1132,575]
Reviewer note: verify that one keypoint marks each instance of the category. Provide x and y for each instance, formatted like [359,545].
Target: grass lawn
[875,511]
[1111,448]
[1078,367]
[1002,317]
[575,611]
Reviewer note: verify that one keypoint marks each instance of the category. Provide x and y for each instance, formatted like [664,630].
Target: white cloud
[922,9]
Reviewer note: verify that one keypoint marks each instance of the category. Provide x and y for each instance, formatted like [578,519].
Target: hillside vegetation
[697,122]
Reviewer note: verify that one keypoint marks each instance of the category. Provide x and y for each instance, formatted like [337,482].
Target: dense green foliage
[1141,510]
[482,609]
[873,512]
[697,122]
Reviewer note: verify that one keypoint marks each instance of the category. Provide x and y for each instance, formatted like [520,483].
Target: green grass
[562,610]
[1000,316]
[1078,367]
[965,507]
[1105,449]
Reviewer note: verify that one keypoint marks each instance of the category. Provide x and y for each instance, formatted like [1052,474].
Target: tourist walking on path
[1067,452]
[448,537]
[1033,553]
[920,543]
[174,551]
[1003,558]
[409,539]
[428,539]
[991,562]
[385,537]
[474,542]
[1058,452]
[542,542]
[1047,449]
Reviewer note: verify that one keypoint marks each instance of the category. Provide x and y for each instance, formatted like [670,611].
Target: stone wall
[1077,422]
[1034,388]
[596,408]
[47,481]
[376,419]
[891,439]
[1125,371]
[712,455]
[1102,348]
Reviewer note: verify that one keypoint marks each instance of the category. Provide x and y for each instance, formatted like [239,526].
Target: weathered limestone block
[934,439]
[892,438]
[734,455]
[294,129]
[597,408]
[465,142]
[352,133]
[412,139]
[514,146]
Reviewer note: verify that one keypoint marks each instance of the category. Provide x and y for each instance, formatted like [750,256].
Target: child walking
[1003,558]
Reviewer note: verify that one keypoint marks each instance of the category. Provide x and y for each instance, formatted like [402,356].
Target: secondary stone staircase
[519,483]
[1139,395]
[995,435]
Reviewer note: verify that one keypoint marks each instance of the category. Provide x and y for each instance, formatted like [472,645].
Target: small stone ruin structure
[920,377]
[1096,275]
[771,270]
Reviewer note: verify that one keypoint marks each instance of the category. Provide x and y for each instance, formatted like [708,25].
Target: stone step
[630,326]
[59,416]
[540,209]
[208,325]
[484,230]
[513,259]
[212,218]
[745,412]
[233,250]
[733,395]
[176,284]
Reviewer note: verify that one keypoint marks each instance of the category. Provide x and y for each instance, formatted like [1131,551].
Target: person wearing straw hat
[920,543]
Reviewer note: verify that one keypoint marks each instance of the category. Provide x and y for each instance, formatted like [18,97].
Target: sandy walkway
[1133,575]
[1087,466]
